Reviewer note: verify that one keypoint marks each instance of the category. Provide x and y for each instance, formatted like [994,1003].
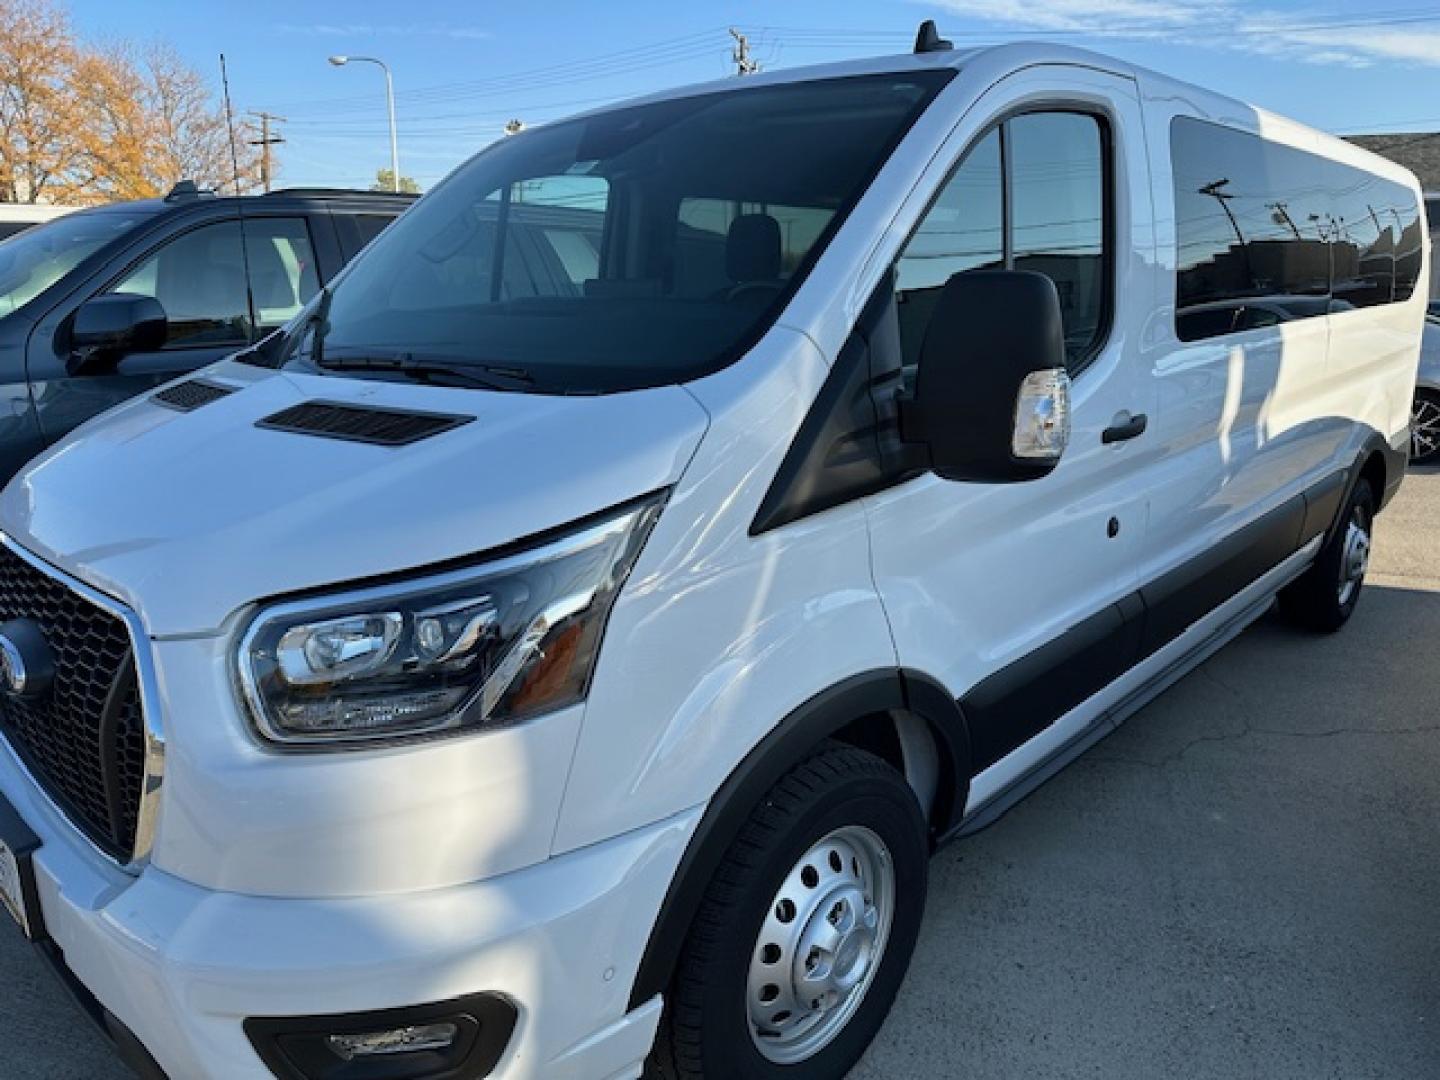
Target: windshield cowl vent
[189,396]
[364,424]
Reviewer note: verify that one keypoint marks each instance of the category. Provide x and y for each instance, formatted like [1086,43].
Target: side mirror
[991,401]
[108,327]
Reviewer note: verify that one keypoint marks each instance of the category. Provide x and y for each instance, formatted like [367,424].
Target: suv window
[199,279]
[1055,224]
[369,226]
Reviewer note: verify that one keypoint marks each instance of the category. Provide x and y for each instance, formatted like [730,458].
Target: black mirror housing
[108,327]
[991,397]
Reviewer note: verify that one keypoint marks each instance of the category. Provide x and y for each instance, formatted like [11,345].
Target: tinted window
[199,279]
[369,226]
[282,268]
[1057,215]
[963,230]
[1257,219]
[1057,224]
[491,267]
[37,258]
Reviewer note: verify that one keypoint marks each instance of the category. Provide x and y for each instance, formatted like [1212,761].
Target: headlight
[474,648]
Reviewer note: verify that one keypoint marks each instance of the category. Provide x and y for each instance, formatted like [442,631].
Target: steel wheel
[820,945]
[1355,556]
[1425,426]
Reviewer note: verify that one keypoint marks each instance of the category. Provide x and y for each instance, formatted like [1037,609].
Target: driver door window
[199,279]
[1030,195]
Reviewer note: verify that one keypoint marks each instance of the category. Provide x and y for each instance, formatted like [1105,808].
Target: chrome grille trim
[154,771]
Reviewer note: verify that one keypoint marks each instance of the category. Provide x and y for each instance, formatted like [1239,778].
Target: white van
[562,646]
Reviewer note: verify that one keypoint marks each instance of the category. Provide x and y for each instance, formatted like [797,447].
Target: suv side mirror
[991,401]
[108,327]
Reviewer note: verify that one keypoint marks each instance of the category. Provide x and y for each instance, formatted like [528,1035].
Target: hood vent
[366,424]
[189,396]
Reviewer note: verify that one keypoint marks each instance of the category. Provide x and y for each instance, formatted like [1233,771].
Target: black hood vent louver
[189,396]
[361,423]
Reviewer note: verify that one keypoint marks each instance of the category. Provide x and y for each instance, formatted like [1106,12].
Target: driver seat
[753,250]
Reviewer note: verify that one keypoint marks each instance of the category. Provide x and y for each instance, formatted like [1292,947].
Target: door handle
[1128,428]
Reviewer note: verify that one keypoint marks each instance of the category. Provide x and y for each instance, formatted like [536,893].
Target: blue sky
[462,70]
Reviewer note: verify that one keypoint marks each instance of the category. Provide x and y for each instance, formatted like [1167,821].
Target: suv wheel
[806,930]
[1425,428]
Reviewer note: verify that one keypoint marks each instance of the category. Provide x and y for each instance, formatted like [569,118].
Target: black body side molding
[1016,703]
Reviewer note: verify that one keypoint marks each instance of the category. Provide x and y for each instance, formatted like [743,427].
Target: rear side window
[1260,221]
[369,226]
[1052,166]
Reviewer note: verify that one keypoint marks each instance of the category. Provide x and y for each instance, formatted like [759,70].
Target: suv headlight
[479,647]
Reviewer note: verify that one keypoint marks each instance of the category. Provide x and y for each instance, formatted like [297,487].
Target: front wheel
[806,930]
[1324,597]
[1425,427]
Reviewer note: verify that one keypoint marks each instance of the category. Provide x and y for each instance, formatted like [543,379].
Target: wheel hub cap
[1355,558]
[1424,428]
[820,945]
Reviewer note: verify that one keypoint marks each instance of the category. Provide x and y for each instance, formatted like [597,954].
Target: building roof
[1418,151]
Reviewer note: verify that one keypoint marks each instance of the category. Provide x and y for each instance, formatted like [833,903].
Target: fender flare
[791,740]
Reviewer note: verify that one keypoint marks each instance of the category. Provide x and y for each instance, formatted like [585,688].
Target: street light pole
[341,61]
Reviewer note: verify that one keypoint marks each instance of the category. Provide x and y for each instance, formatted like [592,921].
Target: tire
[1425,427]
[1324,597]
[824,835]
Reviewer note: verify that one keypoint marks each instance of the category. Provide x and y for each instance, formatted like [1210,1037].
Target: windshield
[637,247]
[32,261]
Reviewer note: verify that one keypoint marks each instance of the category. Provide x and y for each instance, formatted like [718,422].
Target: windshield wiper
[485,377]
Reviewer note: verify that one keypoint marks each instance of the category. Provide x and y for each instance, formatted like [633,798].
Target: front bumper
[183,967]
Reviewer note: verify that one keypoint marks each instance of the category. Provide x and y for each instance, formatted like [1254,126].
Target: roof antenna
[239,199]
[929,39]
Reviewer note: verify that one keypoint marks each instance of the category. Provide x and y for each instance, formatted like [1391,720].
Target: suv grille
[84,741]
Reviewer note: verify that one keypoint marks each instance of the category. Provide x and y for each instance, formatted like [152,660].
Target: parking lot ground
[1244,881]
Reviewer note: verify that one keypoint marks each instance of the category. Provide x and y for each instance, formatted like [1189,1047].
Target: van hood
[188,516]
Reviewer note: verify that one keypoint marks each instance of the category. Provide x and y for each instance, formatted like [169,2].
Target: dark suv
[98,305]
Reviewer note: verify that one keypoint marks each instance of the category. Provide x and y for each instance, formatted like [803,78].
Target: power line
[265,142]
[596,66]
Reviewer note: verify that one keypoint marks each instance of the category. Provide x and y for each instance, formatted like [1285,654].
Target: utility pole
[745,64]
[266,141]
[1282,217]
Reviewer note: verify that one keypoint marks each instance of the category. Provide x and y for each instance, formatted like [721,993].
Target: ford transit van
[557,653]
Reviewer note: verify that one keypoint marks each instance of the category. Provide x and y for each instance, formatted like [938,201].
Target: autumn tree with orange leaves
[85,125]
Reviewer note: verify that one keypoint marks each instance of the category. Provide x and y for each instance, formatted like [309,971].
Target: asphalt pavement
[1244,881]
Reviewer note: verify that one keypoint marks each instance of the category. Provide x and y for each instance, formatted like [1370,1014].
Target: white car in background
[17,217]
[1425,415]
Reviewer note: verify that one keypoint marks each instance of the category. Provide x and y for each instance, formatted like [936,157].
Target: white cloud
[1217,24]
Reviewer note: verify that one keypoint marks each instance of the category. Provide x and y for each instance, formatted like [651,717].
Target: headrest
[752,248]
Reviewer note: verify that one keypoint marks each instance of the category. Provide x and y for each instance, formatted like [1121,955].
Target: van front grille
[84,739]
